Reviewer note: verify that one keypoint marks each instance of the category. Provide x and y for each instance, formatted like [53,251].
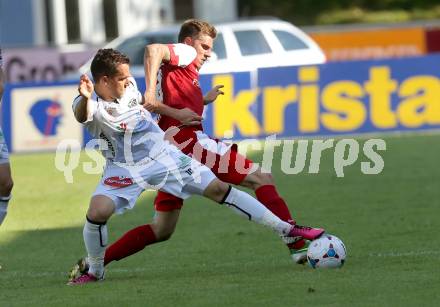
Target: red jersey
[178,84]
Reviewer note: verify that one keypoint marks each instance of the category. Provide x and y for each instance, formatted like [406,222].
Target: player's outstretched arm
[85,89]
[154,55]
[186,116]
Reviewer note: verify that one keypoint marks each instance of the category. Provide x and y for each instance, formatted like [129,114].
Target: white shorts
[4,154]
[174,173]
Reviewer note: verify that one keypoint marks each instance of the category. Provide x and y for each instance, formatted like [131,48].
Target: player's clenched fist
[150,101]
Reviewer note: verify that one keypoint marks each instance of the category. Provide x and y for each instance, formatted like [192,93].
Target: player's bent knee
[162,233]
[266,178]
[164,224]
[164,236]
[97,215]
[6,182]
[6,186]
[100,209]
[9,186]
[258,179]
[216,190]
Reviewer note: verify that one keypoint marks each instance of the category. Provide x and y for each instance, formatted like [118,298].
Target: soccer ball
[326,252]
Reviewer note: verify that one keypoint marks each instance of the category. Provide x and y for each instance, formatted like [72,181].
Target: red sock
[268,196]
[131,242]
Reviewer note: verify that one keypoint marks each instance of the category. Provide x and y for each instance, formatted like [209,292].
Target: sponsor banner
[341,98]
[41,117]
[330,99]
[371,43]
[41,64]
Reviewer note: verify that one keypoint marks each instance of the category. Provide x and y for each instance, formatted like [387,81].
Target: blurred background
[297,69]
[63,34]
[45,42]
[46,45]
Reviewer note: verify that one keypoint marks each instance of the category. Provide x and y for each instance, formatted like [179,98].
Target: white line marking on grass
[404,254]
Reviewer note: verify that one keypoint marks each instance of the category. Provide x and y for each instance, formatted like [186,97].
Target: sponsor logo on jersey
[110,110]
[122,126]
[196,82]
[132,103]
[109,144]
[118,181]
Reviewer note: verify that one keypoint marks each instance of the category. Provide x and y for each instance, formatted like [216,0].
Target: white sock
[4,200]
[247,206]
[95,238]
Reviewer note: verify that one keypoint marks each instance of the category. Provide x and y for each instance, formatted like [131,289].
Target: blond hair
[194,27]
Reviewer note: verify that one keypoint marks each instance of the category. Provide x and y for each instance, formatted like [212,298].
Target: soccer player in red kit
[173,91]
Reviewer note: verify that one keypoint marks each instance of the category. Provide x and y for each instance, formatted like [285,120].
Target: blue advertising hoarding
[331,99]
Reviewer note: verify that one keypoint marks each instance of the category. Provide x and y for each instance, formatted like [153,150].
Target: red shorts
[222,158]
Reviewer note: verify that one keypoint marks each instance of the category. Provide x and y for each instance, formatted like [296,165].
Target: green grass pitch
[389,223]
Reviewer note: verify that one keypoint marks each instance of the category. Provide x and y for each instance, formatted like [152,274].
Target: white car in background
[239,46]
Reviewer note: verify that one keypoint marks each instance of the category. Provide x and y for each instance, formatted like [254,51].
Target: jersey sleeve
[133,87]
[132,82]
[181,54]
[91,108]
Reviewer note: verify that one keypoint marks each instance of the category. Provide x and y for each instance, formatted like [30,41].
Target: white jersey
[138,157]
[128,132]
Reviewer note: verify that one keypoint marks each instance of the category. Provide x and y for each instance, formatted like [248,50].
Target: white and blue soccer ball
[327,251]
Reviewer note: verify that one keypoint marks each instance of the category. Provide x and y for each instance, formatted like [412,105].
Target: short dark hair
[193,27]
[105,63]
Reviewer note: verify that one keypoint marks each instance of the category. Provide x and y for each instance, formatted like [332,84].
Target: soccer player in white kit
[138,157]
[6,182]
